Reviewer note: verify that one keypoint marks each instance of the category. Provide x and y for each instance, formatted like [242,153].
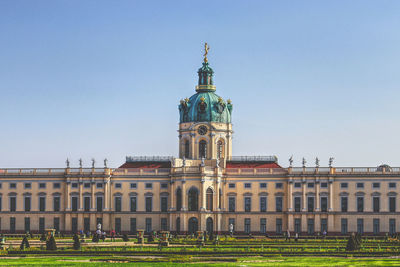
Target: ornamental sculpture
[206,48]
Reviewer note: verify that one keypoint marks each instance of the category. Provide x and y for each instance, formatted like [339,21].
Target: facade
[205,188]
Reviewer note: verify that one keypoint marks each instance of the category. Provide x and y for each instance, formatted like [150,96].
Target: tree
[77,243]
[354,242]
[24,243]
[51,243]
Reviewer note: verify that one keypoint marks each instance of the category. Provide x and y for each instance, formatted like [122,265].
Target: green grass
[248,261]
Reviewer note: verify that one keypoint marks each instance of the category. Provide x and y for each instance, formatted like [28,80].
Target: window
[375,204]
[27,203]
[12,224]
[376,185]
[297,204]
[74,225]
[232,185]
[13,203]
[344,204]
[41,225]
[27,227]
[310,204]
[86,225]
[263,225]
[297,225]
[310,226]
[310,185]
[193,199]
[74,185]
[42,185]
[74,201]
[247,185]
[99,203]
[178,199]
[164,226]
[133,226]
[133,185]
[164,186]
[27,185]
[232,204]
[247,225]
[42,203]
[392,226]
[263,204]
[56,203]
[56,185]
[263,185]
[324,225]
[247,204]
[376,226]
[392,185]
[133,204]
[344,226]
[231,221]
[118,225]
[99,185]
[360,226]
[324,185]
[279,185]
[220,149]
[278,226]
[0,185]
[360,185]
[209,199]
[86,203]
[344,185]
[392,204]
[149,204]
[202,149]
[0,209]
[56,224]
[148,225]
[148,185]
[324,204]
[13,185]
[187,149]
[279,204]
[297,185]
[118,185]
[360,204]
[220,199]
[118,204]
[86,185]
[164,204]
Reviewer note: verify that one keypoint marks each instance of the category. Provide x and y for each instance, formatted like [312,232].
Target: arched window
[193,199]
[187,149]
[203,149]
[178,225]
[209,199]
[220,149]
[220,198]
[178,199]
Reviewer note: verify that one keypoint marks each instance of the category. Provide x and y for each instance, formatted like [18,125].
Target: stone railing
[51,171]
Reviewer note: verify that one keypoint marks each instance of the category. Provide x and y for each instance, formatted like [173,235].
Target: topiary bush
[24,243]
[125,238]
[77,243]
[51,243]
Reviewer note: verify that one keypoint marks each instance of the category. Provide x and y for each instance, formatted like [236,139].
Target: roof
[146,164]
[250,164]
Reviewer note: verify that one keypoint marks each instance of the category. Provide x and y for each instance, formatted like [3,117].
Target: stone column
[330,195]
[202,195]
[184,196]
[67,201]
[304,198]
[172,196]
[192,146]
[217,194]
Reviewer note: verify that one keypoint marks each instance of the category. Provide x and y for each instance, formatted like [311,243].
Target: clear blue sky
[103,79]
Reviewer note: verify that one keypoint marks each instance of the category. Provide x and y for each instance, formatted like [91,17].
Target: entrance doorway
[193,225]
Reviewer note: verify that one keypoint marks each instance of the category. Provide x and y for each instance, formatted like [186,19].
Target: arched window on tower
[203,149]
[178,199]
[220,198]
[193,199]
[220,149]
[187,149]
[209,199]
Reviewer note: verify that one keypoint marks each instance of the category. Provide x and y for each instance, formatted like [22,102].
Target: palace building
[205,188]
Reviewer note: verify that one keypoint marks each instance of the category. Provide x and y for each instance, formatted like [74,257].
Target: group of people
[99,234]
[296,235]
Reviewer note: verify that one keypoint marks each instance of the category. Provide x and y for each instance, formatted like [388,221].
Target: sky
[103,79]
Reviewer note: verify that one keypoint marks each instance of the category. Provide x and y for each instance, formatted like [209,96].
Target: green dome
[205,105]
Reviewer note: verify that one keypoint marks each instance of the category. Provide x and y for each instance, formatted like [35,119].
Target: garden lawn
[247,261]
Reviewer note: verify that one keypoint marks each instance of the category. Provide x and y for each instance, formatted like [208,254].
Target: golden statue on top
[206,48]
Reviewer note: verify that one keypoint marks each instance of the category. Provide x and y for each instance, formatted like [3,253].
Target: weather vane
[206,48]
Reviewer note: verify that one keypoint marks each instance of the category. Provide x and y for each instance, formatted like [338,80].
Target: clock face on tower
[202,130]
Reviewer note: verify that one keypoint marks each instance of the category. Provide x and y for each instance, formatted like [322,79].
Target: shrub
[95,238]
[24,243]
[77,243]
[51,243]
[354,242]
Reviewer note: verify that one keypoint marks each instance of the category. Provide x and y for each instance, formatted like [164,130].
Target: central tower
[205,129]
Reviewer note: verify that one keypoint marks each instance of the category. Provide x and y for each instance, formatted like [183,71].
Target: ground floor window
[86,225]
[279,226]
[360,226]
[41,225]
[12,224]
[344,226]
[324,225]
[392,226]
[263,225]
[297,225]
[164,224]
[247,223]
[74,225]
[231,221]
[133,226]
[310,226]
[118,225]
[27,224]
[148,225]
[56,222]
[376,226]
